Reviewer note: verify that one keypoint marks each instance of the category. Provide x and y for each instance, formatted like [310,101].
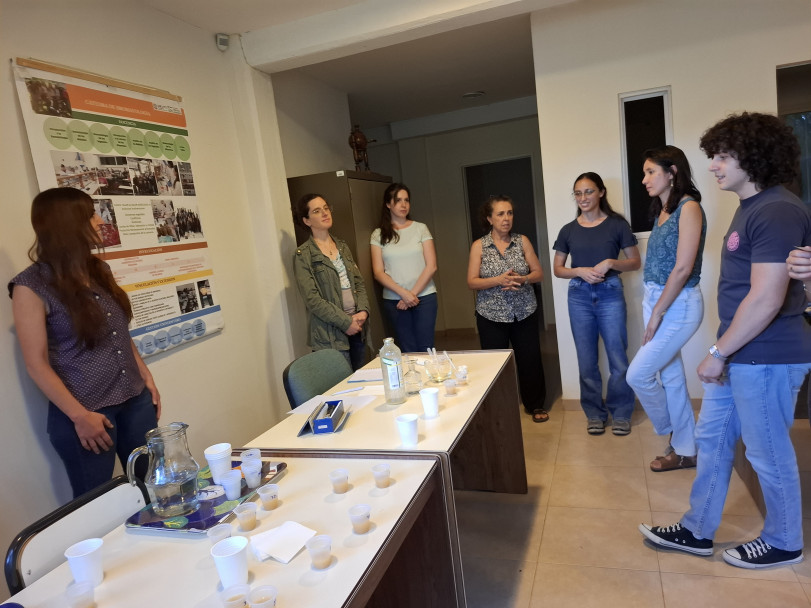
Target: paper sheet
[281,543]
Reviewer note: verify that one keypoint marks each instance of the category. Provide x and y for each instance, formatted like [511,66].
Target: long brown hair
[387,231]
[65,239]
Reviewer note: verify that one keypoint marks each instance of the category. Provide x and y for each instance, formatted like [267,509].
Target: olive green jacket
[319,285]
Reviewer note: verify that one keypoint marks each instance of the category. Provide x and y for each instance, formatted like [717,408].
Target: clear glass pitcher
[171,477]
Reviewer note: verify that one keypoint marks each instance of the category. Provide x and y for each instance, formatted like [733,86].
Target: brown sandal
[540,415]
[672,462]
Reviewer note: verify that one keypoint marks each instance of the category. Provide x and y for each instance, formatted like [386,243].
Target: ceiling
[409,80]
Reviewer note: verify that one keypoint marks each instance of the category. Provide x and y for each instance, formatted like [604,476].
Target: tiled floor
[573,539]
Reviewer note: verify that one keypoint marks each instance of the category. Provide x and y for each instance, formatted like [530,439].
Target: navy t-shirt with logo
[765,229]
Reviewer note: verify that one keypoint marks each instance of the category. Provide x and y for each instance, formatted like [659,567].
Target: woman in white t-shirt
[404,263]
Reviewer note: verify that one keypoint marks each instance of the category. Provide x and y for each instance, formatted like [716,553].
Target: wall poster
[128,147]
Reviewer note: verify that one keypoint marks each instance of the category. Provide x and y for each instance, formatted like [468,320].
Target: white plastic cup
[80,595]
[450,387]
[381,473]
[231,558]
[252,470]
[219,532]
[235,596]
[461,374]
[232,484]
[340,481]
[84,559]
[252,454]
[320,550]
[218,457]
[263,597]
[269,495]
[246,515]
[430,402]
[360,515]
[407,425]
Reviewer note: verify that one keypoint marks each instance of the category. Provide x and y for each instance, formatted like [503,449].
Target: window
[645,123]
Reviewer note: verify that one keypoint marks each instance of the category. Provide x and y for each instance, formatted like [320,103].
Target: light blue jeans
[756,403]
[599,311]
[665,399]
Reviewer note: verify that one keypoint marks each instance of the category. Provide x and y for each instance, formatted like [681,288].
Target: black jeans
[522,336]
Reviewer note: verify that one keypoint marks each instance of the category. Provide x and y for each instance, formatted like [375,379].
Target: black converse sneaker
[759,554]
[676,537]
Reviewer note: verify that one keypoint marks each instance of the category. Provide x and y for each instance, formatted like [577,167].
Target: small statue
[358,143]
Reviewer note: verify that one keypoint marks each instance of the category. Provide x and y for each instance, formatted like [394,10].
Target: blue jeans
[414,326]
[86,470]
[665,399]
[599,311]
[756,403]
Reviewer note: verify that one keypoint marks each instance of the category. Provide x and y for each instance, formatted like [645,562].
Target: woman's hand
[590,274]
[603,267]
[798,264]
[91,427]
[653,324]
[354,327]
[361,317]
[510,280]
[409,298]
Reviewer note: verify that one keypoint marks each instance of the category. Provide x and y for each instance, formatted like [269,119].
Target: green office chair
[313,374]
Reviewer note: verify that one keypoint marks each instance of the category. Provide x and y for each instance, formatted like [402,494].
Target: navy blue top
[97,377]
[590,246]
[765,229]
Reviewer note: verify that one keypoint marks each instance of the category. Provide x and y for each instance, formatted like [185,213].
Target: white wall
[719,57]
[433,167]
[314,125]
[225,387]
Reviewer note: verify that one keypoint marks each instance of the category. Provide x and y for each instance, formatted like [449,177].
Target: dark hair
[605,206]
[669,157]
[487,209]
[301,209]
[64,241]
[387,232]
[764,146]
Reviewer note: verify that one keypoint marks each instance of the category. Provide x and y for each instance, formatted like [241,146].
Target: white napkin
[281,543]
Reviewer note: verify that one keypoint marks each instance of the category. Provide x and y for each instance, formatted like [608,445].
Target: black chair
[313,374]
[41,546]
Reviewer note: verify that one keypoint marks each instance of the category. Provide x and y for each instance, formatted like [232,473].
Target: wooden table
[405,559]
[477,434]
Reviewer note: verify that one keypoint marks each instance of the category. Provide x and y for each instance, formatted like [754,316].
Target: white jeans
[665,399]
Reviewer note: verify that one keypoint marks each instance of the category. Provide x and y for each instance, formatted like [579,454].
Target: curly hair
[486,210]
[668,158]
[764,146]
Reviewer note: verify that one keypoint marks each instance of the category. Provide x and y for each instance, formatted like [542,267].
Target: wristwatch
[716,353]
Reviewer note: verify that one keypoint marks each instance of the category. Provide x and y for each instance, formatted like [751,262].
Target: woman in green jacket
[330,283]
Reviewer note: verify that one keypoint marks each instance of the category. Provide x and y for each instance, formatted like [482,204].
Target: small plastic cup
[84,559]
[320,550]
[381,473]
[407,425]
[232,484]
[252,470]
[461,375]
[246,515]
[450,387]
[235,596]
[218,533]
[231,558]
[269,495]
[340,481]
[430,402]
[263,597]
[80,595]
[252,454]
[359,515]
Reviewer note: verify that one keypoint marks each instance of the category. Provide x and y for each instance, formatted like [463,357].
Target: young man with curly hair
[754,371]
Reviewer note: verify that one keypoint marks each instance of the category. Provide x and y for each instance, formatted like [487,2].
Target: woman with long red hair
[72,323]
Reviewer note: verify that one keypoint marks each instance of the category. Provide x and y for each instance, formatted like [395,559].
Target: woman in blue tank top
[672,307]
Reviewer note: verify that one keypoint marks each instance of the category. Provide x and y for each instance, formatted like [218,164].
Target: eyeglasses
[319,211]
[578,194]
